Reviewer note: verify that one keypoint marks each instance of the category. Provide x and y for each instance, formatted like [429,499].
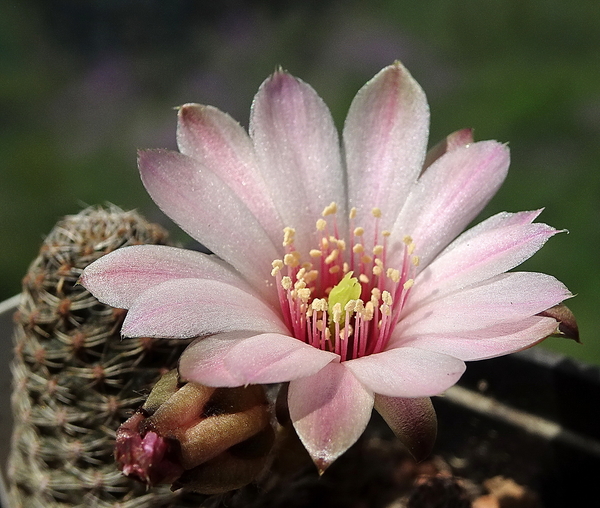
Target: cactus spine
[75,380]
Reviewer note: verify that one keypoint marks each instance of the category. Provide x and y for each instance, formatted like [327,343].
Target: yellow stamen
[359,231]
[288,236]
[393,274]
[291,259]
[304,294]
[330,209]
[332,257]
[376,213]
[277,266]
[321,223]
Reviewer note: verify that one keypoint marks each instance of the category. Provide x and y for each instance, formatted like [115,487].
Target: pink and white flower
[340,270]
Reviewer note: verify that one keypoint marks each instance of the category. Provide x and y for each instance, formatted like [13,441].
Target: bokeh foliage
[84,84]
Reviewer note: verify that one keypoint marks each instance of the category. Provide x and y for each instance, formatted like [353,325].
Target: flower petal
[449,195]
[297,147]
[407,372]
[450,142]
[120,277]
[412,420]
[492,252]
[221,144]
[205,207]
[251,359]
[385,140]
[275,358]
[183,308]
[202,361]
[504,298]
[485,343]
[329,410]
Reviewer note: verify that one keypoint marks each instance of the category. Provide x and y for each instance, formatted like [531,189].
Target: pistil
[351,303]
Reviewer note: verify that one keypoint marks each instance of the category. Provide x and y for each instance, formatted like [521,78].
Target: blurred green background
[83,84]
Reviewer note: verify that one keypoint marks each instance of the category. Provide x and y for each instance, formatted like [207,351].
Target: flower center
[345,300]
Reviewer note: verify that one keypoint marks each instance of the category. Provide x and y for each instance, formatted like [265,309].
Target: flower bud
[208,440]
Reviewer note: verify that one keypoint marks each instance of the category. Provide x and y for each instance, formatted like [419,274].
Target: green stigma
[345,290]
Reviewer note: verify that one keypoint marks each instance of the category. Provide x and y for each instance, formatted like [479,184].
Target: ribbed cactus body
[75,379]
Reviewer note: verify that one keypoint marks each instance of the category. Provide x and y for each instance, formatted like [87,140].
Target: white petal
[183,308]
[206,208]
[297,147]
[505,298]
[486,343]
[220,144]
[329,410]
[448,196]
[407,372]
[385,140]
[120,277]
[486,255]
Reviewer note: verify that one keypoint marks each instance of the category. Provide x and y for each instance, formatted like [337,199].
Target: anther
[416,260]
[288,236]
[334,269]
[358,248]
[366,259]
[300,284]
[350,306]
[286,283]
[408,284]
[352,213]
[336,312]
[363,278]
[393,274]
[315,253]
[321,223]
[386,233]
[330,209]
[277,266]
[304,294]
[378,250]
[359,231]
[291,259]
[332,257]
[376,213]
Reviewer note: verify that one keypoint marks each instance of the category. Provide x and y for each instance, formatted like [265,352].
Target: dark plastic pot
[533,416]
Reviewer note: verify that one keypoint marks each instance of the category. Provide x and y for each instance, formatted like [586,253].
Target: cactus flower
[341,269]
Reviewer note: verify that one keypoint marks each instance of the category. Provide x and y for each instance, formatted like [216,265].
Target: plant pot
[533,416]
